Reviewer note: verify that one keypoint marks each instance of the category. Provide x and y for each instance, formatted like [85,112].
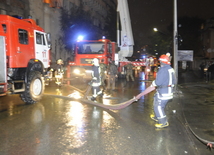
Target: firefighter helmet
[164,59]
[59,61]
[95,62]
[168,54]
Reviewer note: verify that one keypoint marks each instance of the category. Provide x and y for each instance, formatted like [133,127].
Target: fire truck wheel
[34,88]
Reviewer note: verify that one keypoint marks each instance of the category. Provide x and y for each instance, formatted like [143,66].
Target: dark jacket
[165,82]
[112,69]
[96,74]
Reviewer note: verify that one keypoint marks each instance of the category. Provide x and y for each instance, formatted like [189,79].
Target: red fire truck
[24,58]
[86,51]
[105,50]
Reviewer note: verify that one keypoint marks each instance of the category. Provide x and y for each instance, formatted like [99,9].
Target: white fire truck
[24,58]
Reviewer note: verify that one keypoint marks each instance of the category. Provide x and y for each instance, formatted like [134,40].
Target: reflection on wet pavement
[56,126]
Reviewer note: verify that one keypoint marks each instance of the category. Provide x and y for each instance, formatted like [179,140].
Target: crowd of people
[104,78]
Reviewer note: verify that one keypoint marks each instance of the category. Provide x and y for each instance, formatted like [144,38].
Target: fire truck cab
[24,58]
[86,51]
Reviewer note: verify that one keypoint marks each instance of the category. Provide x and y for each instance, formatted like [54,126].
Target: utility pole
[175,40]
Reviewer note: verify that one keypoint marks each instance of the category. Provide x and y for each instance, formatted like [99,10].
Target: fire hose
[111,107]
[123,105]
[208,143]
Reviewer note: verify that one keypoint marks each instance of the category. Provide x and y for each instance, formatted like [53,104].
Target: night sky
[147,14]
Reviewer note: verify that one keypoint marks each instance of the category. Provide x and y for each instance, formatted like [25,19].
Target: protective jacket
[112,69]
[96,76]
[103,68]
[165,82]
[129,68]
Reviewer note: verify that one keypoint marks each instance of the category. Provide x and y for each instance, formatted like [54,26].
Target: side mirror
[48,36]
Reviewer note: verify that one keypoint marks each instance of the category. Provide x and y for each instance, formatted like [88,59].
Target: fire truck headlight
[10,72]
[76,71]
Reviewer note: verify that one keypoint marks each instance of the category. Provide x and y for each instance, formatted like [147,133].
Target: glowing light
[155,29]
[75,95]
[143,76]
[75,113]
[143,56]
[88,71]
[138,67]
[107,118]
[77,71]
[79,38]
[58,92]
[74,118]
[106,96]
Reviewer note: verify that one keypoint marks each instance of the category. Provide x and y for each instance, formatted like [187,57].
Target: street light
[155,29]
[175,40]
[164,39]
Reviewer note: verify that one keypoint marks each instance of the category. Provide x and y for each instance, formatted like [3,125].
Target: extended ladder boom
[124,31]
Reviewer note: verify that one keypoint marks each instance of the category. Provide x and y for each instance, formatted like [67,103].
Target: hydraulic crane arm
[124,31]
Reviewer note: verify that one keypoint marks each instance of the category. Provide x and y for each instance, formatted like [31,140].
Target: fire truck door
[21,44]
[41,48]
[3,75]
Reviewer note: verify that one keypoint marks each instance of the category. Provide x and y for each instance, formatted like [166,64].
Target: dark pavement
[196,108]
[56,126]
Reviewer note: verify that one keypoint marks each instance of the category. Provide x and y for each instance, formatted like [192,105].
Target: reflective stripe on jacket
[96,76]
[165,82]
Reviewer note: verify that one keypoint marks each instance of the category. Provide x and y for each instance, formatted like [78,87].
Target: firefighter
[59,65]
[112,74]
[103,69]
[129,71]
[165,82]
[96,80]
[59,71]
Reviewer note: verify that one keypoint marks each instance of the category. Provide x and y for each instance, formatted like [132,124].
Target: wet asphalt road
[56,126]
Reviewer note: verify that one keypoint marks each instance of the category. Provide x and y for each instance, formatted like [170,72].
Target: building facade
[14,7]
[208,38]
[47,14]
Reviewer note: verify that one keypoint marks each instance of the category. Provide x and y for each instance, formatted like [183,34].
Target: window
[109,48]
[43,39]
[4,12]
[40,39]
[23,36]
[91,48]
[4,27]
